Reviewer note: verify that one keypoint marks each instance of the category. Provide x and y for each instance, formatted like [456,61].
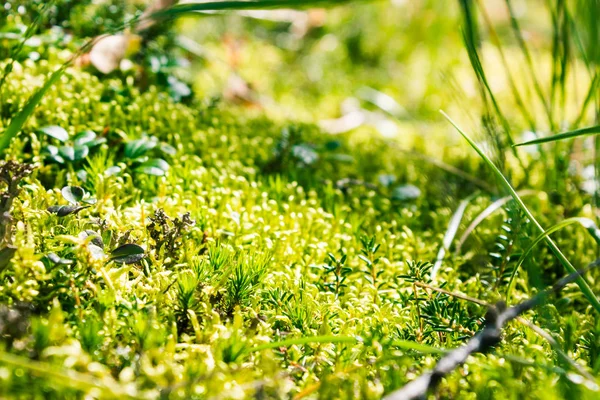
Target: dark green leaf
[137,148]
[96,239]
[56,132]
[51,150]
[73,194]
[333,145]
[156,166]
[6,254]
[63,211]
[67,152]
[84,138]
[127,254]
[57,260]
[110,171]
[81,152]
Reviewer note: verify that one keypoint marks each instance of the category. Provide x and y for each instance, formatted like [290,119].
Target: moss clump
[213,252]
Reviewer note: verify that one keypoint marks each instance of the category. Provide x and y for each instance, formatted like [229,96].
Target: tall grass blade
[529,60]
[511,81]
[191,8]
[107,388]
[305,340]
[592,130]
[491,209]
[450,234]
[18,120]
[587,223]
[471,40]
[583,285]
[592,93]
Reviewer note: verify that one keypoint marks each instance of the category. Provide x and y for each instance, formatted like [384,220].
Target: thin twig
[482,342]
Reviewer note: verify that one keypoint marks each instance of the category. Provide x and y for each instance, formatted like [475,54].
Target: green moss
[291,237]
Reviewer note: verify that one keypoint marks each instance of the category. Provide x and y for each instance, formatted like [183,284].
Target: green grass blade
[67,378]
[529,60]
[591,94]
[583,285]
[305,340]
[18,120]
[450,233]
[511,81]
[587,223]
[420,347]
[592,130]
[403,344]
[496,205]
[234,5]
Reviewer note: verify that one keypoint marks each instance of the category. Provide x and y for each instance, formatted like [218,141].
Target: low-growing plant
[140,156]
[72,150]
[334,274]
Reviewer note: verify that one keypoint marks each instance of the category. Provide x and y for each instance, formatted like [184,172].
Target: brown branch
[495,319]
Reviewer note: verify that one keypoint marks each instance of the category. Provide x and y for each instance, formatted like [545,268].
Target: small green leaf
[80,152]
[82,175]
[386,180]
[127,254]
[67,152]
[137,148]
[114,170]
[168,149]
[51,150]
[73,194]
[83,138]
[63,211]
[156,166]
[58,260]
[56,132]
[94,238]
[96,252]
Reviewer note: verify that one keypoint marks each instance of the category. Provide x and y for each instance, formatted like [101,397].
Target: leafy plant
[244,279]
[372,270]
[138,155]
[127,254]
[585,288]
[292,150]
[167,233]
[187,299]
[73,149]
[507,242]
[76,196]
[335,274]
